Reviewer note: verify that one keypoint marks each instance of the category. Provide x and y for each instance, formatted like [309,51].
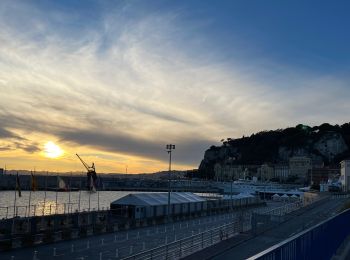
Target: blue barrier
[319,242]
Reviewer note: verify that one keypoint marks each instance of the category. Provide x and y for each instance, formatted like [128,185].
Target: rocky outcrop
[324,144]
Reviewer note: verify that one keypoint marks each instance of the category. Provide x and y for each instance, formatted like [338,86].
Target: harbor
[44,222]
[122,232]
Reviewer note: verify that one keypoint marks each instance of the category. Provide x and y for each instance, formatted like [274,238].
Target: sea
[40,203]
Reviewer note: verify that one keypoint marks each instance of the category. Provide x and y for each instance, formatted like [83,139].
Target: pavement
[246,245]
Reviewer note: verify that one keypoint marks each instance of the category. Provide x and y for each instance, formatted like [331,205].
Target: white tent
[285,197]
[159,198]
[276,197]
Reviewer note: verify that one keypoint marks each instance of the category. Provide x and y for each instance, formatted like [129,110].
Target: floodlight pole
[169,148]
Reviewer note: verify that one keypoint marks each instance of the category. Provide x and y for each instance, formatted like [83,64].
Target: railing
[42,210]
[319,242]
[136,244]
[197,242]
[282,210]
[340,196]
[194,243]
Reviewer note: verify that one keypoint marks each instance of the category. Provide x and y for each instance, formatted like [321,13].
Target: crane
[91,175]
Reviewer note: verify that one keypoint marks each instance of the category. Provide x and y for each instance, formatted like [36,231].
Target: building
[323,174]
[281,171]
[227,172]
[2,171]
[265,172]
[345,174]
[300,166]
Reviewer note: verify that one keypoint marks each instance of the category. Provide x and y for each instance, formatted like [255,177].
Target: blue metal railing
[319,242]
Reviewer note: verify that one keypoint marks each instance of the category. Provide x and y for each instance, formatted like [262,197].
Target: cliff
[325,144]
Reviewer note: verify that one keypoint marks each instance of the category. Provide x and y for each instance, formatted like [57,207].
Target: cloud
[28,147]
[6,148]
[12,141]
[186,149]
[6,134]
[132,85]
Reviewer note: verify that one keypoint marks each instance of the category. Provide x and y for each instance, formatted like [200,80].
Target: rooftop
[159,198]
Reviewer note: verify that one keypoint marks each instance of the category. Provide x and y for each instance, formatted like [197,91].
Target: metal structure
[91,175]
[169,148]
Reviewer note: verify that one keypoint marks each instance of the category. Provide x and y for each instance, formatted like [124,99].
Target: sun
[52,150]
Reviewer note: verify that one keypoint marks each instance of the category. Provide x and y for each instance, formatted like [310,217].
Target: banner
[18,186]
[33,182]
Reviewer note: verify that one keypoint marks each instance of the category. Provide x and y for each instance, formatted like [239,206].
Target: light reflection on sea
[66,202]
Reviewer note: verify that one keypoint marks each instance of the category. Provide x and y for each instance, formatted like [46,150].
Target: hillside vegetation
[325,144]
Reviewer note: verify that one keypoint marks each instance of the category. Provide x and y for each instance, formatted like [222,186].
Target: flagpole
[14,203]
[30,192]
[47,173]
[70,183]
[56,195]
[98,198]
[79,196]
[90,191]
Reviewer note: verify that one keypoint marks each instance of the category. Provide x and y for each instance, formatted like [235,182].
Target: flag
[92,184]
[61,184]
[18,186]
[33,181]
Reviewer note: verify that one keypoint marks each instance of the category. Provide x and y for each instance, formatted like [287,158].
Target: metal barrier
[194,243]
[42,210]
[319,242]
[191,244]
[340,196]
[284,209]
[134,244]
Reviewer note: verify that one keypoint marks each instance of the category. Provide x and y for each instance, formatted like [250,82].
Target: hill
[325,144]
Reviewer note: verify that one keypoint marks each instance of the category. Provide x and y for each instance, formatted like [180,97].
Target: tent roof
[155,199]
[275,195]
[238,196]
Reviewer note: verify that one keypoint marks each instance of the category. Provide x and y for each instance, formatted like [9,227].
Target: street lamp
[169,148]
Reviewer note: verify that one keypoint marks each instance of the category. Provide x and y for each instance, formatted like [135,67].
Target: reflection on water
[45,205]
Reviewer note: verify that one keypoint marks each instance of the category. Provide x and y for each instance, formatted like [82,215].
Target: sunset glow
[52,150]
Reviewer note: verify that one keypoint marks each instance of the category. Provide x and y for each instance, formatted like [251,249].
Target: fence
[340,196]
[136,244]
[189,245]
[319,242]
[194,243]
[42,210]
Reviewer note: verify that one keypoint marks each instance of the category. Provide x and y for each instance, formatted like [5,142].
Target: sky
[115,81]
